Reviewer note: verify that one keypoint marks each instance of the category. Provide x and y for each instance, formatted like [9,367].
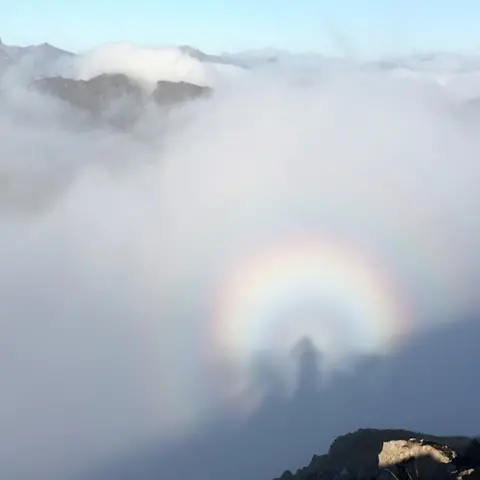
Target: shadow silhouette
[429,385]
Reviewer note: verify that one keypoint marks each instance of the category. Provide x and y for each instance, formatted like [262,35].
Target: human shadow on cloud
[429,385]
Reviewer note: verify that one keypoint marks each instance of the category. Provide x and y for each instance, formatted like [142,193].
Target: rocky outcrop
[394,455]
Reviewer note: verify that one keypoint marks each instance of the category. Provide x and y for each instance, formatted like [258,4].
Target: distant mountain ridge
[112,99]
[115,98]
[11,55]
[45,56]
[41,57]
[460,62]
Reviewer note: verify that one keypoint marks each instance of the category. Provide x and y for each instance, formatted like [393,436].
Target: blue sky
[366,27]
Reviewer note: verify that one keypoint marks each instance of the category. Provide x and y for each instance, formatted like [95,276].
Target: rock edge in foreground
[369,454]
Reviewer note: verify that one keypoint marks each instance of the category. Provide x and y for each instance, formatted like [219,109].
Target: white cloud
[148,64]
[108,327]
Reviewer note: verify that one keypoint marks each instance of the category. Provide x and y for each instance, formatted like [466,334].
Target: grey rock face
[394,455]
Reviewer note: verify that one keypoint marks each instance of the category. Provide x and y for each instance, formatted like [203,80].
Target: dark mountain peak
[369,454]
[52,48]
[99,94]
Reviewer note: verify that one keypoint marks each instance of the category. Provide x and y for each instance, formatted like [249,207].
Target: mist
[119,324]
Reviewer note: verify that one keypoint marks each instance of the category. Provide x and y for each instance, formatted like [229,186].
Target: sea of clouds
[113,244]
